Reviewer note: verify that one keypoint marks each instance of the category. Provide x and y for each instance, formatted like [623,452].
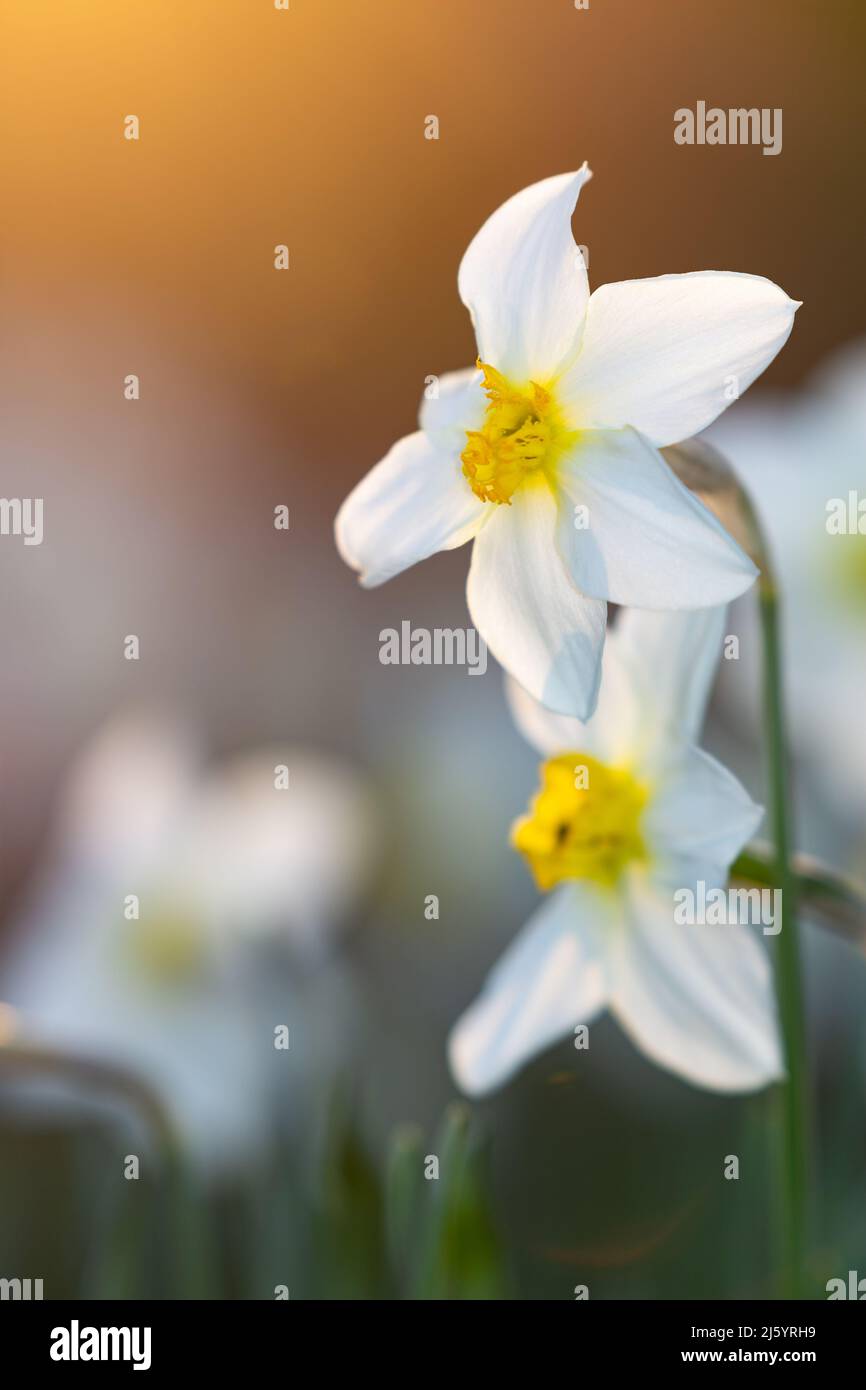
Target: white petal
[547,732]
[458,406]
[524,282]
[656,674]
[670,659]
[128,795]
[698,811]
[255,861]
[550,979]
[665,355]
[698,1000]
[649,543]
[533,619]
[413,503]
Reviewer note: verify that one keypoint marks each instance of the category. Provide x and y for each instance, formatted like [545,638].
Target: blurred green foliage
[532,1194]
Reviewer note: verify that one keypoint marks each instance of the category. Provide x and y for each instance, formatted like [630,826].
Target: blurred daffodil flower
[546,454]
[180,915]
[629,811]
[802,457]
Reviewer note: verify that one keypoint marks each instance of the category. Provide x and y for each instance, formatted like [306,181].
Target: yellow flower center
[847,573]
[584,822]
[521,434]
[169,946]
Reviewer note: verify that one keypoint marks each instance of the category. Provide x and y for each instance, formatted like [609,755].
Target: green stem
[789,985]
[839,902]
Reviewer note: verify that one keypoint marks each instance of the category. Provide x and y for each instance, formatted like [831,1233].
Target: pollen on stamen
[590,832]
[514,441]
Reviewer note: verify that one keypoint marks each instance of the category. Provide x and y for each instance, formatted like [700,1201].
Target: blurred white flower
[798,456]
[629,812]
[241,887]
[547,455]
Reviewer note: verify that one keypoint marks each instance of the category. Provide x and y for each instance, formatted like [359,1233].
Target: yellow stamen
[583,823]
[846,575]
[169,946]
[521,434]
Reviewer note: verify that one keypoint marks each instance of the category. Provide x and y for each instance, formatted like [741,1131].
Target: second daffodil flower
[547,452]
[629,812]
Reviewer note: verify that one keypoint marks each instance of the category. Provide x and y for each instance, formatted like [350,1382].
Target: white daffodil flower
[629,812]
[547,454]
[239,884]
